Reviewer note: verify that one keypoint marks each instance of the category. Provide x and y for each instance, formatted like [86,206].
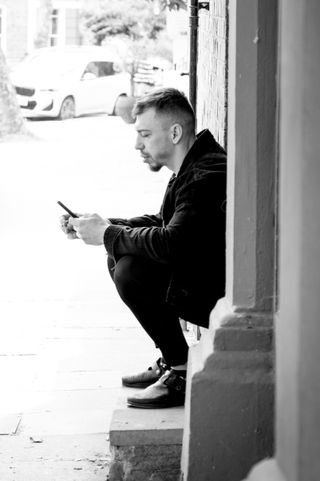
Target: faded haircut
[168,101]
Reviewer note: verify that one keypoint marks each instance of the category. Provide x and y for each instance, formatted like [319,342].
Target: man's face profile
[153,138]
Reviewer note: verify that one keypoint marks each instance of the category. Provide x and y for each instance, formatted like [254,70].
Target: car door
[88,94]
[101,84]
[108,84]
[113,82]
[109,87]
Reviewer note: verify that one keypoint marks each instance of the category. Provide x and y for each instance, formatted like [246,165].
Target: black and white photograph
[159,240]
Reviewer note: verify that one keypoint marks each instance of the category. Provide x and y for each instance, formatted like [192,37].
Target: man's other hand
[90,228]
[66,227]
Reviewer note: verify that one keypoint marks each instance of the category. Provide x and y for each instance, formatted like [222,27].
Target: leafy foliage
[134,20]
[174,4]
[11,121]
[137,28]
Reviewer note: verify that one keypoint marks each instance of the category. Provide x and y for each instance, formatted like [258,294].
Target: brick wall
[212,70]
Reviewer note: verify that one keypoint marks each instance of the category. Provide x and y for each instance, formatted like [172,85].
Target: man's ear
[176,133]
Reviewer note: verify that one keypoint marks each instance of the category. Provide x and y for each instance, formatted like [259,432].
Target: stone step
[146,444]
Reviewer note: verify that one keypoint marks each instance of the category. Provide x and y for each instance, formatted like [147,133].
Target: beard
[155,167]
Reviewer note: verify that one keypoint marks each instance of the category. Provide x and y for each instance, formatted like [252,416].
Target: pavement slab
[54,458]
[79,421]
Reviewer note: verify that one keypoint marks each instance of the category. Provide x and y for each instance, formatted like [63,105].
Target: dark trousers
[142,285]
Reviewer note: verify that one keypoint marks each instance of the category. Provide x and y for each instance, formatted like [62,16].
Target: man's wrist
[104,232]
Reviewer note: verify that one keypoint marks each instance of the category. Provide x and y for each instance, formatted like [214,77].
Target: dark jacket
[188,233]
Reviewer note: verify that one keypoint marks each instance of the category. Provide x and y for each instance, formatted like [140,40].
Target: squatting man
[170,265]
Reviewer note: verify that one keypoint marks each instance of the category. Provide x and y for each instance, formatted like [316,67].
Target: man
[170,265]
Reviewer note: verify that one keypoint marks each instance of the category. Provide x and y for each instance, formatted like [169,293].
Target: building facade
[28,24]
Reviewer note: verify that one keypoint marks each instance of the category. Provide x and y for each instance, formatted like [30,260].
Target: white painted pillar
[229,410]
[298,320]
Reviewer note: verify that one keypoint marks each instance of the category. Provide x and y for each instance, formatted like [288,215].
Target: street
[65,335]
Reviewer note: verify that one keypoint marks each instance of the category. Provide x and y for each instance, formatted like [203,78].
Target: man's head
[165,126]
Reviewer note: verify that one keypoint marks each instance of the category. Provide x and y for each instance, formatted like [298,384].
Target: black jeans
[142,285]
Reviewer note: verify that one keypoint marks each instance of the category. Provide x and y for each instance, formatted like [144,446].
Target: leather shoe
[148,377]
[167,392]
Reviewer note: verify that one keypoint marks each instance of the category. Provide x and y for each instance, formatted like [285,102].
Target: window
[100,69]
[106,69]
[54,27]
[92,67]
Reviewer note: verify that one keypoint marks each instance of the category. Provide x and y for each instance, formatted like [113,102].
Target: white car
[65,82]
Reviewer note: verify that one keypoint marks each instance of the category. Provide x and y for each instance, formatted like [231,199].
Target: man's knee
[125,274]
[135,276]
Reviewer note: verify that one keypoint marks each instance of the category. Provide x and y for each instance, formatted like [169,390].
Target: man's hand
[66,227]
[90,228]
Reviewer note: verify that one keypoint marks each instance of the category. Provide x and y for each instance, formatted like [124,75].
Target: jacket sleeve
[144,220]
[194,203]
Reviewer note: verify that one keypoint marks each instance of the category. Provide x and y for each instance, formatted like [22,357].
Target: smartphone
[66,209]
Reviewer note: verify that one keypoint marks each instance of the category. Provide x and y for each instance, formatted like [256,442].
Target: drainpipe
[193,54]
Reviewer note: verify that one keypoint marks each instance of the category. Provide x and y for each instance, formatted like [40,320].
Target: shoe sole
[154,405]
[139,384]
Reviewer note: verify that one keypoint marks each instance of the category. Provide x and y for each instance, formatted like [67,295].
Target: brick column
[212,70]
[229,410]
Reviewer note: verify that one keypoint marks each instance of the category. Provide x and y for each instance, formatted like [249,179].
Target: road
[65,337]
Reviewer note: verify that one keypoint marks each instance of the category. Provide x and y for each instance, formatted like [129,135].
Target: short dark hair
[167,101]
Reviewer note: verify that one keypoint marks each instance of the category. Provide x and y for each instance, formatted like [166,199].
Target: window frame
[53,38]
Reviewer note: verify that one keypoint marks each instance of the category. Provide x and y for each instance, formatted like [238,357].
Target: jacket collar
[205,143]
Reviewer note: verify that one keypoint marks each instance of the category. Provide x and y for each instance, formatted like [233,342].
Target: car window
[100,69]
[92,67]
[106,69]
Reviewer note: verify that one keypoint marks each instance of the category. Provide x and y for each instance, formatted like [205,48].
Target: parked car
[66,82]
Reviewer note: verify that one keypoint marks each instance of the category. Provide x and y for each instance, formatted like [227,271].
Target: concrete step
[146,444]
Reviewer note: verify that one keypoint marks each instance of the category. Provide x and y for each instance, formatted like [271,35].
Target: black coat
[188,233]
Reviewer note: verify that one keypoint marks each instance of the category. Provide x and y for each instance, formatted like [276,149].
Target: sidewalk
[66,338]
[60,387]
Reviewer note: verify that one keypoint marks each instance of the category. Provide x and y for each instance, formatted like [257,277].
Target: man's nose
[138,144]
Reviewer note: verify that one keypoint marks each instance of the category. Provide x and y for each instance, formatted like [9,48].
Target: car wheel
[68,109]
